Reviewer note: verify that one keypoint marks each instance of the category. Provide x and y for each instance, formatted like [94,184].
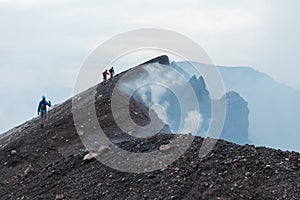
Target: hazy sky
[44,43]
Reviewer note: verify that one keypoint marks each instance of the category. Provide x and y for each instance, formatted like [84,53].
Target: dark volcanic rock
[164,60]
[229,172]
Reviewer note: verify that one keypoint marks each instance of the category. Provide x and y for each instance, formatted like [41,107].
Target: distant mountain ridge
[274,110]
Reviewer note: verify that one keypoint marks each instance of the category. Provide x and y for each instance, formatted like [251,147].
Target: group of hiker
[42,108]
[110,72]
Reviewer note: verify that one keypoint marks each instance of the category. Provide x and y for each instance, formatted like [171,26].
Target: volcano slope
[48,163]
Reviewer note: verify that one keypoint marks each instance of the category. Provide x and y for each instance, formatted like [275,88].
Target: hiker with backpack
[42,109]
[112,72]
[104,74]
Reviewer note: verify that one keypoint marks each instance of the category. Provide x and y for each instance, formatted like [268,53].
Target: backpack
[43,105]
[111,71]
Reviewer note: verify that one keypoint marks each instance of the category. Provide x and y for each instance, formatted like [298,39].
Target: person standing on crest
[104,74]
[112,72]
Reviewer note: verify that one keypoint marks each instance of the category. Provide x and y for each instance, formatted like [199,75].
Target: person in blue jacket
[42,109]
[111,72]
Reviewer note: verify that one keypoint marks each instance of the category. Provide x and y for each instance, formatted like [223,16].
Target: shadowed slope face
[59,139]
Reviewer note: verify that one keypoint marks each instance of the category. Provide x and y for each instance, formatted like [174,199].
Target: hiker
[112,72]
[105,73]
[43,110]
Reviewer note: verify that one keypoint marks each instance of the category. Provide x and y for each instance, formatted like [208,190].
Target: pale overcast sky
[44,43]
